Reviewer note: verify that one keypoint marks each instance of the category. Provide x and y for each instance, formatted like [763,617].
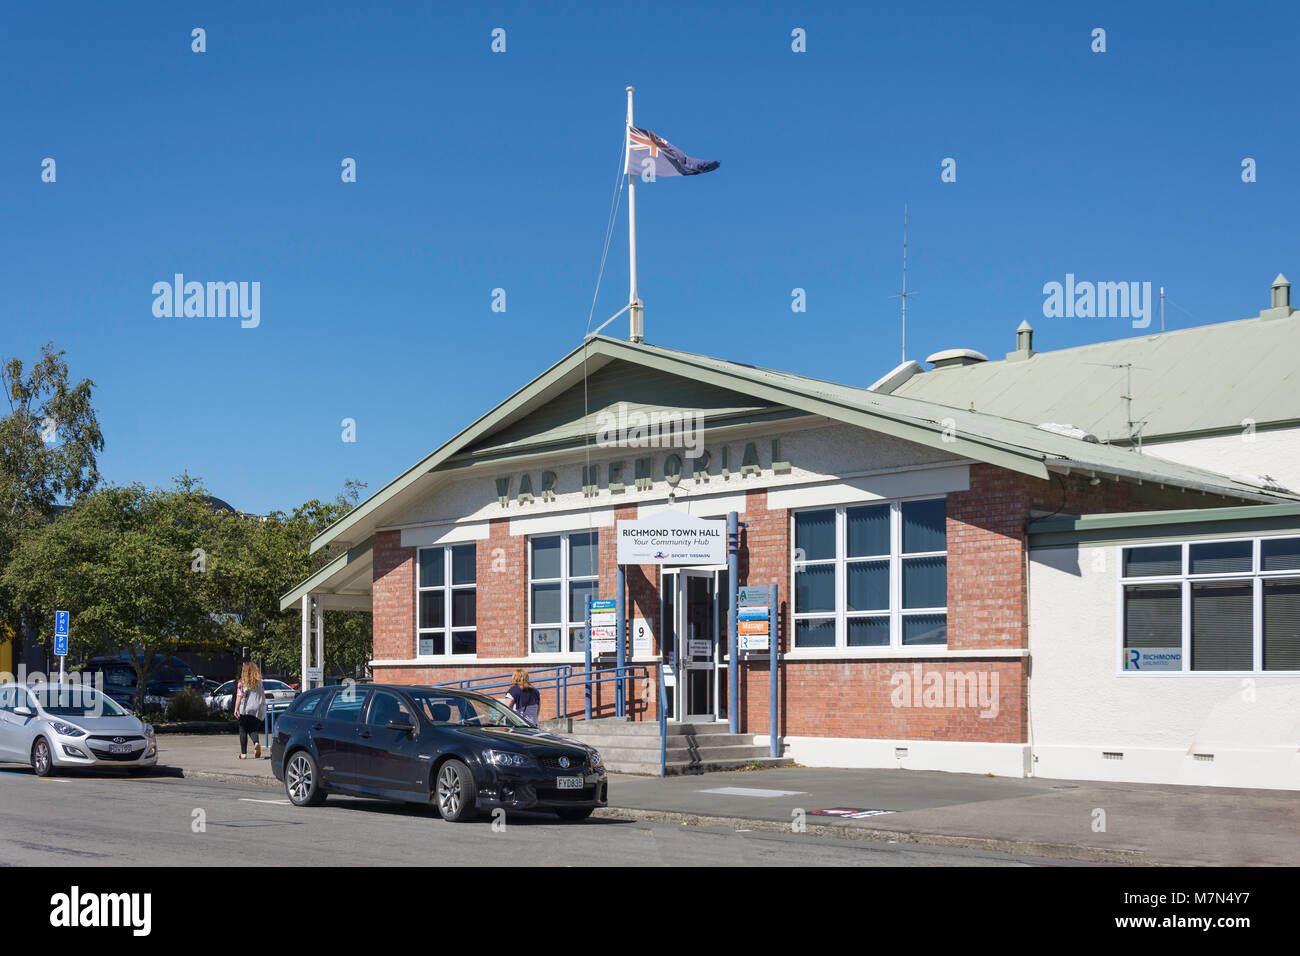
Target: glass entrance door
[698,634]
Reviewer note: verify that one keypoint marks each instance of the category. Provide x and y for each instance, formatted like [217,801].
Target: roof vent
[953,358]
[1281,300]
[1024,342]
[1069,431]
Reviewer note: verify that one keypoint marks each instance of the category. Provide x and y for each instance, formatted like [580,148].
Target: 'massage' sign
[671,537]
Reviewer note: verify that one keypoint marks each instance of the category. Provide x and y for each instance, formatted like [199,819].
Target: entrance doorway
[695,627]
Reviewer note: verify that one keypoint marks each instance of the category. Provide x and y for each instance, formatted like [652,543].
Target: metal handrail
[505,679]
[272,712]
[564,676]
[663,726]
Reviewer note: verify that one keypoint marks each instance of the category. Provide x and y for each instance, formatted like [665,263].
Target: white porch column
[306,640]
[320,641]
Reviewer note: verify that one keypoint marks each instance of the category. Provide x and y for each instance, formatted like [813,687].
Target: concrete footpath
[1142,824]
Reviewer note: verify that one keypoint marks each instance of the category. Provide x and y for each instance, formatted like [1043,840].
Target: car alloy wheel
[42,762]
[300,781]
[455,792]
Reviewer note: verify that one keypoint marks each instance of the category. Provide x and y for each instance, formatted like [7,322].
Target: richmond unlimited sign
[671,537]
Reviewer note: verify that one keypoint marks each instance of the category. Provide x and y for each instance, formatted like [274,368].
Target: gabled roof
[1184,381]
[976,435]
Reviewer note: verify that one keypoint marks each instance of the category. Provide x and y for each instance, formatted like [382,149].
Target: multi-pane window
[871,575]
[562,574]
[1212,606]
[447,601]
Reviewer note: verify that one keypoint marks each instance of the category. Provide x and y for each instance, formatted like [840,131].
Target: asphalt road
[110,820]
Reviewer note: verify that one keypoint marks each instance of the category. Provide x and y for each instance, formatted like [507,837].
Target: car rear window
[308,704]
[346,705]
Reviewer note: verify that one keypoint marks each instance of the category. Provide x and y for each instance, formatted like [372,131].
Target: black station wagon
[459,750]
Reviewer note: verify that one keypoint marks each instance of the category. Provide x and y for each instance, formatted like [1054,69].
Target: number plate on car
[568,783]
[119,749]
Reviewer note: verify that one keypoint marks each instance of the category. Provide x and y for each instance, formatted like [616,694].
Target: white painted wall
[1079,706]
[1002,760]
[1275,453]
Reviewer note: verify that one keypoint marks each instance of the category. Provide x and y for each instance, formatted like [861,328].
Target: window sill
[1218,675]
[920,652]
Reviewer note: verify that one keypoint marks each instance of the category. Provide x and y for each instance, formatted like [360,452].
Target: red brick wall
[502,569]
[986,561]
[857,699]
[393,597]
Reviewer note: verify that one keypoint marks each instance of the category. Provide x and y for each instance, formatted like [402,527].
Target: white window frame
[1185,579]
[566,626]
[842,615]
[447,588]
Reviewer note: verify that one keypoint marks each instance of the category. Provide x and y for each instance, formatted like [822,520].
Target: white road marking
[253,800]
[752,792]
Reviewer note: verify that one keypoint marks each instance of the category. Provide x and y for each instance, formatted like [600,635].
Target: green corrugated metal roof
[1184,381]
[995,431]
[976,435]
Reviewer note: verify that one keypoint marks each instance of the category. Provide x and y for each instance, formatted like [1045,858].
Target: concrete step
[632,747]
[681,767]
[604,742]
[632,728]
[613,755]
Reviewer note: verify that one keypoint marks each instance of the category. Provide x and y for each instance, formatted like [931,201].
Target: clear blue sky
[479,170]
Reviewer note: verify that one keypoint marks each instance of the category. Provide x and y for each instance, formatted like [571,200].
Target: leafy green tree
[257,560]
[126,563]
[48,443]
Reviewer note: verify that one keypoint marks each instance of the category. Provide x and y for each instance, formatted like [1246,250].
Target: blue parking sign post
[61,639]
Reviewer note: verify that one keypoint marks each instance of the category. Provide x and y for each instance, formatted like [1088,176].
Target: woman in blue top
[525,700]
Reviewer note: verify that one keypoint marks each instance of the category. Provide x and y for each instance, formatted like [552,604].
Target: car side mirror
[402,724]
[23,712]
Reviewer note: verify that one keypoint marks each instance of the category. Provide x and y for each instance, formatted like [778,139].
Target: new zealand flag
[646,152]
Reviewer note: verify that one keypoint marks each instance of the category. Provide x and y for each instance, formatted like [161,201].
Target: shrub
[187,705]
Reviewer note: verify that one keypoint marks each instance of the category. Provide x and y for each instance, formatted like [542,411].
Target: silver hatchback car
[53,726]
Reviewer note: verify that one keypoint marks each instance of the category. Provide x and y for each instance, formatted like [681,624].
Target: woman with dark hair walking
[250,709]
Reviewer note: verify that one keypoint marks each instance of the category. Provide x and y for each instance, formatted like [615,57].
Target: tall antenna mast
[904,293]
[1134,428]
[1162,308]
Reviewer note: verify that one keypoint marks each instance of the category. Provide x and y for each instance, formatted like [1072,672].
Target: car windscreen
[117,675]
[169,674]
[75,701]
[454,709]
[275,685]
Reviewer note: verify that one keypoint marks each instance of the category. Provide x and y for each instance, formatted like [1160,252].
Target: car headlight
[148,730]
[596,762]
[66,730]
[504,758]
